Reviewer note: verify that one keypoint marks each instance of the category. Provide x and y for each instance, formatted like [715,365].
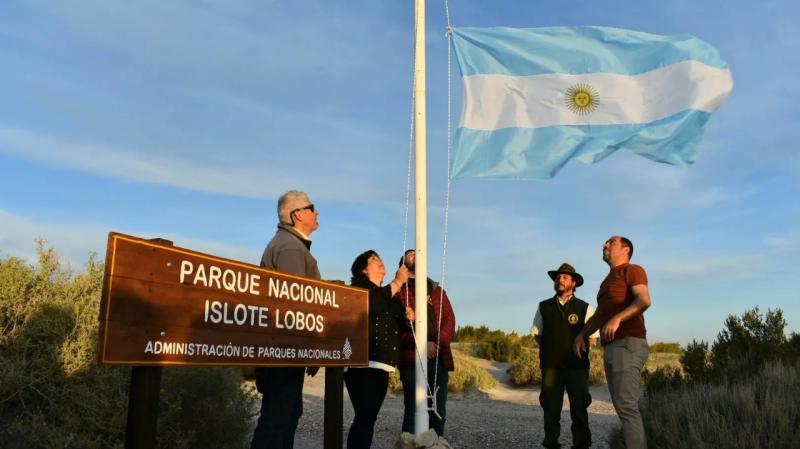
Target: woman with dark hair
[367,385]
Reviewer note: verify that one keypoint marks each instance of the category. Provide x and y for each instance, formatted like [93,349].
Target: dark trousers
[408,378]
[367,390]
[281,407]
[576,382]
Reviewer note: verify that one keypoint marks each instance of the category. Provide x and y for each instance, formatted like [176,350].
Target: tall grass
[742,393]
[758,412]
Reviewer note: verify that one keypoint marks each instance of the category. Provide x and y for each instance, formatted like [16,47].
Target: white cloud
[788,242]
[242,99]
[232,177]
[127,164]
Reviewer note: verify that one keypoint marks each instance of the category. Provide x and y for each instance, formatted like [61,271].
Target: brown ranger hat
[566,268]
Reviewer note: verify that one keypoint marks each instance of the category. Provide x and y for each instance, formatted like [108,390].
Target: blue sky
[187,119]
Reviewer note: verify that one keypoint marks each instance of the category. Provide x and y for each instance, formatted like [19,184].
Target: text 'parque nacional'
[236,281]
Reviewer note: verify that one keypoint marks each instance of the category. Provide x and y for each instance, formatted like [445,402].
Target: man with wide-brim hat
[566,268]
[558,321]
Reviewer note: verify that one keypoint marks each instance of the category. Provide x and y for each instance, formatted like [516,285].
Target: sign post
[334,404]
[143,398]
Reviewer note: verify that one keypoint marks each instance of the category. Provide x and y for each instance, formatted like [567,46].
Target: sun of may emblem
[572,319]
[582,99]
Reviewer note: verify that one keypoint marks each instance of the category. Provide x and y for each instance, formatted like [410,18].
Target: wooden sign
[164,305]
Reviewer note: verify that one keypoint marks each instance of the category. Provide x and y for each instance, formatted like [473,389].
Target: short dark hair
[403,257]
[628,244]
[357,269]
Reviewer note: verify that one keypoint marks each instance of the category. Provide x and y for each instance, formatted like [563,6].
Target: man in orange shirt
[621,301]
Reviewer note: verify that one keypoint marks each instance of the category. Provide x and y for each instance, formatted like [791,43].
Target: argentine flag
[535,98]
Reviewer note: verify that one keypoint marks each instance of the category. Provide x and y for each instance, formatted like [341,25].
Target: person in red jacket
[441,329]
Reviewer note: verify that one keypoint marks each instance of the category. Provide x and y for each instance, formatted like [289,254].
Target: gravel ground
[503,417]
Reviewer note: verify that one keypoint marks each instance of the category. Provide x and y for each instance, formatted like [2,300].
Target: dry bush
[468,376]
[395,385]
[663,347]
[597,373]
[664,360]
[525,370]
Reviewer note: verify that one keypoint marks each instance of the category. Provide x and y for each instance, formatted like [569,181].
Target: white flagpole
[421,214]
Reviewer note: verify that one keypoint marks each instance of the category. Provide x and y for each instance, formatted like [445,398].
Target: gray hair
[287,203]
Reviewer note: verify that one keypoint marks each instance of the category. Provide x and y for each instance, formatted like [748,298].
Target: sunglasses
[309,207]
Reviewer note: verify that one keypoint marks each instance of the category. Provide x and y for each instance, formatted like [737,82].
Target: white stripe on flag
[502,101]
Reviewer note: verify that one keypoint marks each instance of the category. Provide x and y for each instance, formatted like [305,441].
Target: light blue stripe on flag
[528,153]
[536,98]
[533,51]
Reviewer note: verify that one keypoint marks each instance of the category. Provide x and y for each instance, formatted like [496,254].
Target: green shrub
[695,362]
[471,334]
[749,341]
[500,348]
[527,341]
[204,407]
[741,349]
[52,392]
[467,334]
[524,370]
[663,378]
[793,347]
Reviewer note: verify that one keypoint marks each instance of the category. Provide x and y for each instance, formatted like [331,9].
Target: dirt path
[508,392]
[504,417]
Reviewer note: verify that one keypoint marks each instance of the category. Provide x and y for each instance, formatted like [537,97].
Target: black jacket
[387,319]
